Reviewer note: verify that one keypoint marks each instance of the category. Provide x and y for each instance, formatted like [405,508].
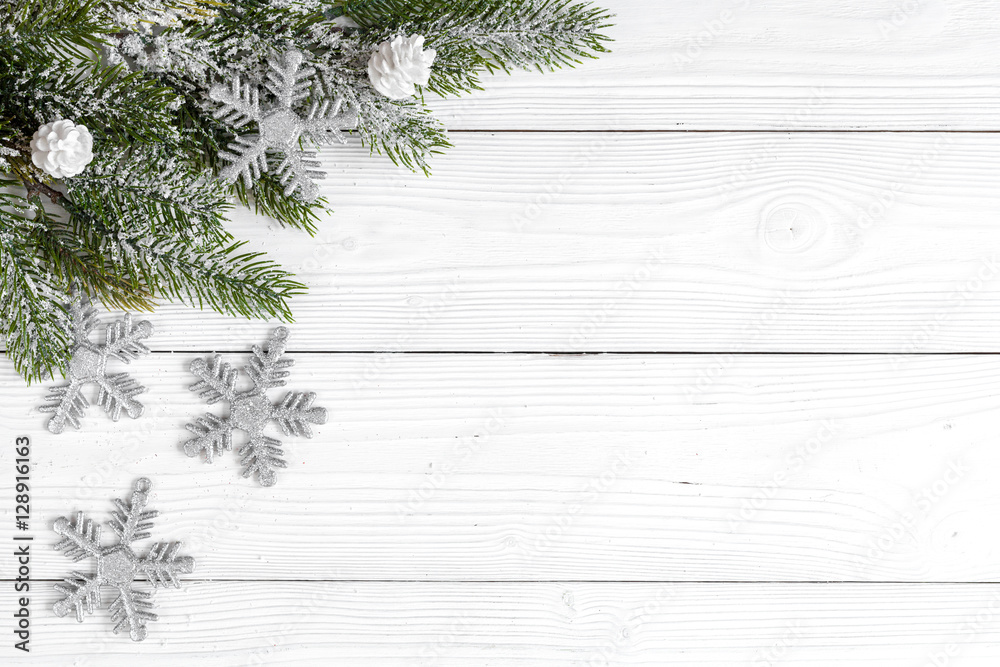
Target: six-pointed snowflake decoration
[88,364]
[251,410]
[118,565]
[279,127]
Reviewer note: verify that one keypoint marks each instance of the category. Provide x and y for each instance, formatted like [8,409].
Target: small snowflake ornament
[117,565]
[398,66]
[251,410]
[279,127]
[62,148]
[88,365]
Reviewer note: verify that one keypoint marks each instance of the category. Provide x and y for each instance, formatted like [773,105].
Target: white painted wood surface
[596,467]
[766,65]
[640,242]
[707,495]
[543,623]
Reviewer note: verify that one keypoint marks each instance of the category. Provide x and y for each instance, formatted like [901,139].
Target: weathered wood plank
[750,65]
[718,243]
[525,467]
[583,624]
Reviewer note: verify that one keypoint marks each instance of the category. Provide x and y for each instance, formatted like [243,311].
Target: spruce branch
[477,36]
[36,189]
[152,192]
[405,131]
[126,14]
[32,317]
[72,262]
[58,247]
[267,197]
[59,29]
[120,108]
[224,278]
[144,222]
[220,276]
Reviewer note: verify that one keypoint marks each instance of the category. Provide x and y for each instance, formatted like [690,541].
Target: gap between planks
[722,131]
[761,244]
[720,582]
[762,67]
[580,624]
[498,488]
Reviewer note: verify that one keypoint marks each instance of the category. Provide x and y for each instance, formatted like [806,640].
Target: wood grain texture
[535,467]
[711,242]
[764,64]
[629,509]
[582,624]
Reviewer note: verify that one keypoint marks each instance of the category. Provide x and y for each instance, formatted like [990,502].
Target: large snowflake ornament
[118,566]
[279,127]
[251,410]
[88,365]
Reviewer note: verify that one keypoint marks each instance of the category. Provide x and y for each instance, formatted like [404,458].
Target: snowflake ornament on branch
[251,410]
[117,565]
[142,102]
[280,129]
[88,365]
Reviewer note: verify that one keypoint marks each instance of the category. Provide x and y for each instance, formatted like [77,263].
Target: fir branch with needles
[140,218]
[488,36]
[51,29]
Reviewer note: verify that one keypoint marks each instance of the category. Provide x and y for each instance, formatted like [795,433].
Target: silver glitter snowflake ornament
[88,365]
[118,566]
[279,127]
[251,410]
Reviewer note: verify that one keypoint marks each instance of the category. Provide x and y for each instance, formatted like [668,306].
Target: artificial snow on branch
[127,128]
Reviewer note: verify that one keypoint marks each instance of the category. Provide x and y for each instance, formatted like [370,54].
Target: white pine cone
[62,148]
[397,66]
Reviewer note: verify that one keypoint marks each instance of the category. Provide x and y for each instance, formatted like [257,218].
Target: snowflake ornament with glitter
[251,410]
[88,365]
[118,566]
[280,128]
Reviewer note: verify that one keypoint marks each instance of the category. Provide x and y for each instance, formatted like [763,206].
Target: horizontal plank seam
[556,353]
[726,131]
[822,582]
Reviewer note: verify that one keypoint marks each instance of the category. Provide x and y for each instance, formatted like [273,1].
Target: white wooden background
[687,356]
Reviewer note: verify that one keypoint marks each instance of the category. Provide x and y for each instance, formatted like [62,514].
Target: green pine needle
[145,222]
